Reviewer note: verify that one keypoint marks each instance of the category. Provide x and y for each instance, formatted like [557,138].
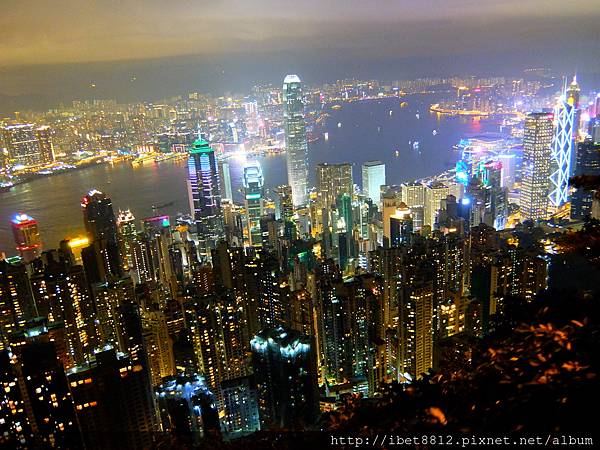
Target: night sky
[55,49]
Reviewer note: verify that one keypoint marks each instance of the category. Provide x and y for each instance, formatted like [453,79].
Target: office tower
[225,180]
[204,195]
[39,391]
[562,149]
[537,156]
[158,345]
[44,138]
[254,202]
[113,401]
[373,177]
[390,202]
[101,259]
[588,163]
[434,194]
[22,145]
[285,371]
[572,95]
[240,407]
[98,217]
[333,180]
[283,203]
[27,237]
[187,409]
[295,139]
[508,162]
[126,236]
[401,226]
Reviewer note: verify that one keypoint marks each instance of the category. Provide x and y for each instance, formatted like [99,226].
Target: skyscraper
[333,180]
[295,139]
[562,149]
[373,177]
[537,153]
[204,195]
[588,163]
[285,370]
[27,237]
[101,259]
[254,202]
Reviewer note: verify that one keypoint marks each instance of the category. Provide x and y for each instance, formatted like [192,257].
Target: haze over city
[232,224]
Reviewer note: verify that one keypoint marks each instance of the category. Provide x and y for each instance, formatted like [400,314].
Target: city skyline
[247,225]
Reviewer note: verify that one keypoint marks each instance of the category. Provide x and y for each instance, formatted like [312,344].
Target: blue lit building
[187,408]
[562,148]
[285,370]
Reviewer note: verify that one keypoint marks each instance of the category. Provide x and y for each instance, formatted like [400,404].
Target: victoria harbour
[401,132]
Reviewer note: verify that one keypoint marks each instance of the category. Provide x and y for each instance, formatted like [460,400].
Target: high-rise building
[373,177]
[38,396]
[240,407]
[101,259]
[295,139]
[285,370]
[27,237]
[22,145]
[205,195]
[113,401]
[187,409]
[127,235]
[159,346]
[562,149]
[44,138]
[537,156]
[225,180]
[284,204]
[588,163]
[254,202]
[434,194]
[333,180]
[16,301]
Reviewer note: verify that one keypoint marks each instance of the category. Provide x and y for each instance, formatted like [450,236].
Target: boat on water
[5,187]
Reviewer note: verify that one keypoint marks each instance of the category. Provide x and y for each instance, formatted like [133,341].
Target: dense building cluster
[258,316]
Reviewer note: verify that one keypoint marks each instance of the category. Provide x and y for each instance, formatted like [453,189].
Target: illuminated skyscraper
[254,203]
[537,156]
[295,139]
[333,180]
[27,237]
[127,233]
[204,195]
[562,149]
[373,177]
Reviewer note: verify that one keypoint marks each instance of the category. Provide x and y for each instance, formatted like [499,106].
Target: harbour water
[383,129]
